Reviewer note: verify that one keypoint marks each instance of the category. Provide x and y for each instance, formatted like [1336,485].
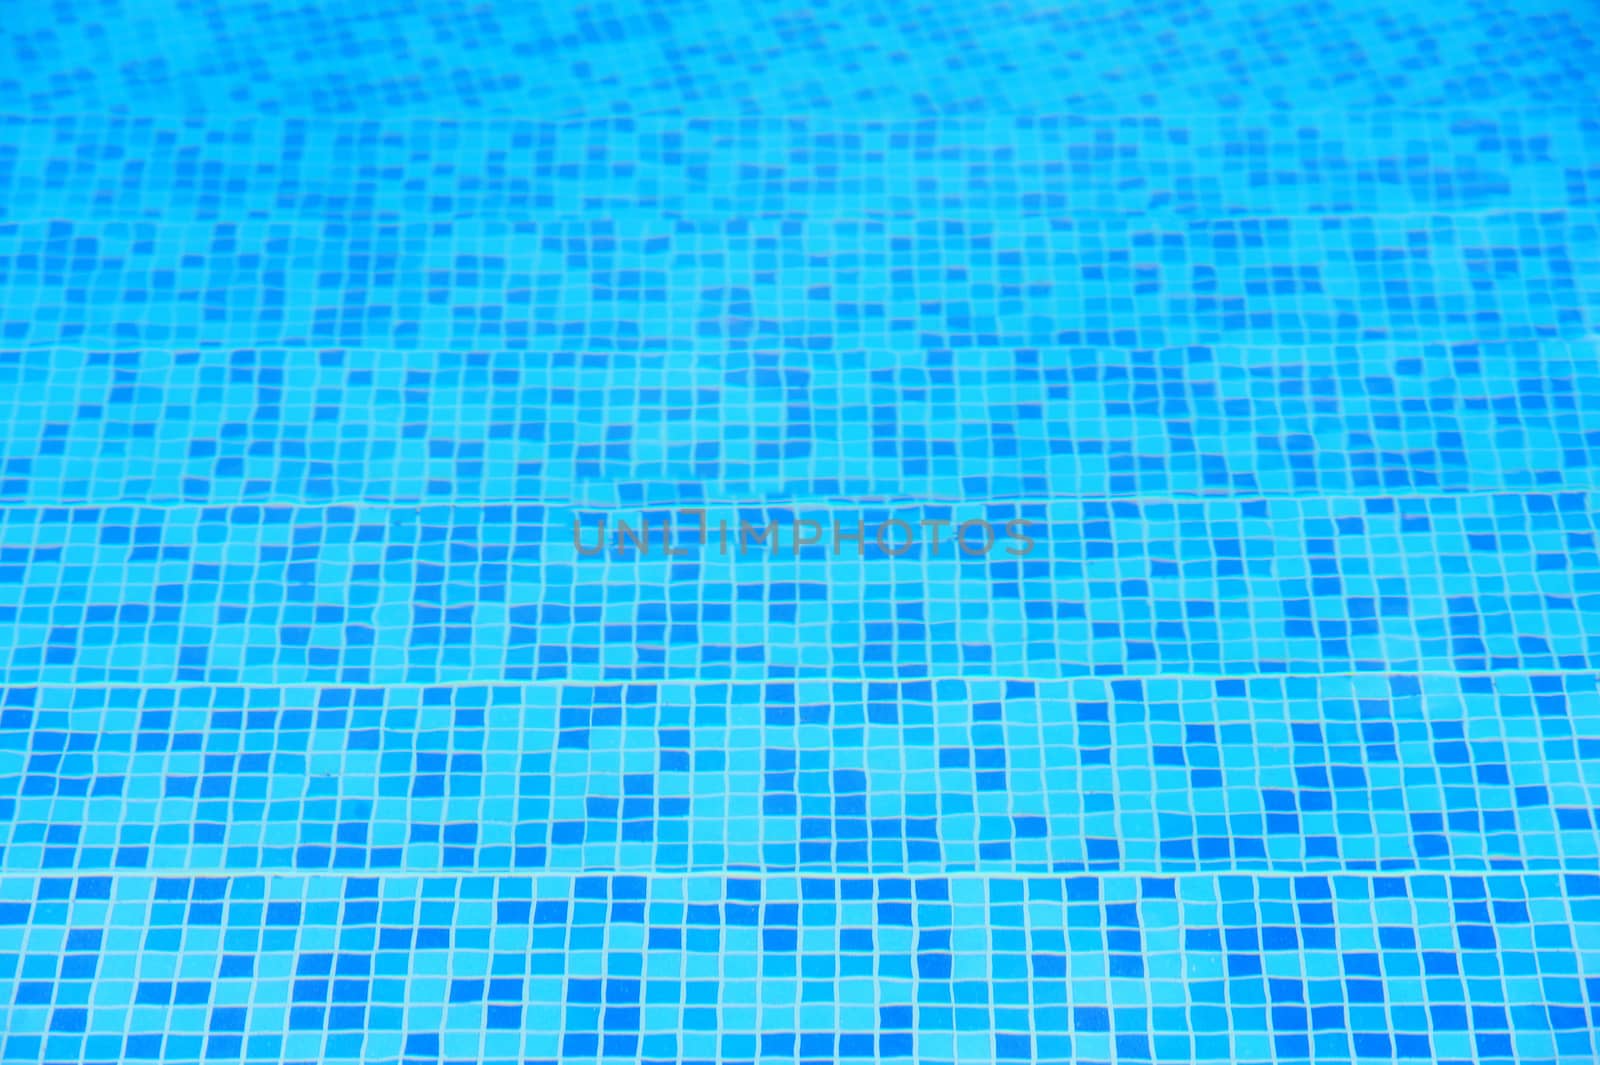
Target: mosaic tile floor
[657,532]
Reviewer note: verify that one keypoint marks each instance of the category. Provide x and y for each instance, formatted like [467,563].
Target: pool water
[732,533]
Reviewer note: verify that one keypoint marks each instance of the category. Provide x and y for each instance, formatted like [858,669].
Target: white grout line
[771,874]
[693,681]
[1373,116]
[660,221]
[796,504]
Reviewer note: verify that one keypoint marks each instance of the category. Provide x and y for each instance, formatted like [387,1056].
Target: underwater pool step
[742,427]
[1431,773]
[441,594]
[686,288]
[913,61]
[928,969]
[234,168]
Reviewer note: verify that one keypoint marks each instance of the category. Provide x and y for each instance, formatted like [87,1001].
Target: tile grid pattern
[328,340]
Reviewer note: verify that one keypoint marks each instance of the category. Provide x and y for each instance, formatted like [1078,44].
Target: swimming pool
[669,533]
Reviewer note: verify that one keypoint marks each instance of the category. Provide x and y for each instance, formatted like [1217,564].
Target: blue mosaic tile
[284,425]
[646,168]
[646,533]
[1292,774]
[1308,585]
[1347,967]
[688,286]
[452,57]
